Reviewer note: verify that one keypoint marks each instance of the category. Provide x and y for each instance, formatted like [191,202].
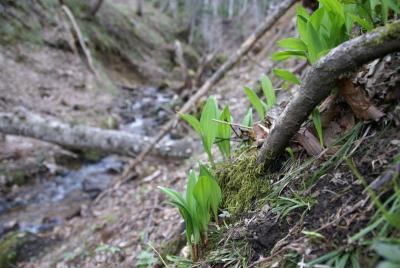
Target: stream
[45,202]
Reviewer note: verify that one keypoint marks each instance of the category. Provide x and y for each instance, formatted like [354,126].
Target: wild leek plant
[210,126]
[202,199]
[269,93]
[330,25]
[206,127]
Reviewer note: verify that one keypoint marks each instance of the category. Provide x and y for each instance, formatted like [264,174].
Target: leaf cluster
[201,201]
[208,129]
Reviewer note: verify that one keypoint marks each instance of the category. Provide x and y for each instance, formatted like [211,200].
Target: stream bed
[49,200]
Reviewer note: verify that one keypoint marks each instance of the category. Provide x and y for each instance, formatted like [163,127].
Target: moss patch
[242,184]
[21,246]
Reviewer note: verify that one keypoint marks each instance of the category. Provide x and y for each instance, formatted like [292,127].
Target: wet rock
[94,186]
[21,246]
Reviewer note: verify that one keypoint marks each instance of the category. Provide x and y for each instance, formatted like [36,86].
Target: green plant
[206,127]
[248,118]
[202,199]
[390,252]
[330,25]
[269,93]
[146,259]
[287,76]
[338,258]
[224,133]
[283,206]
[392,218]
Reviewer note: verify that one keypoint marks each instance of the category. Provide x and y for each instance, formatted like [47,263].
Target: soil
[115,230]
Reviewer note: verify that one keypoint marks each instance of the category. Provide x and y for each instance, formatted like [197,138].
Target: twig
[81,40]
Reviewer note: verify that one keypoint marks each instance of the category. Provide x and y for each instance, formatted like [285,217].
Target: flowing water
[46,202]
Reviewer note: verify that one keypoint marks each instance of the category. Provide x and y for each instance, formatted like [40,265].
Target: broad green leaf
[255,102]
[177,200]
[202,192]
[314,43]
[224,133]
[354,262]
[301,11]
[343,261]
[248,118]
[334,6]
[384,11]
[318,126]
[192,121]
[302,28]
[395,7]
[391,252]
[284,55]
[287,76]
[192,180]
[367,25]
[215,198]
[215,194]
[268,90]
[208,125]
[293,44]
[316,18]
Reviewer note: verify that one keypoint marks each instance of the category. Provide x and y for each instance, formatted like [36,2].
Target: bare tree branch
[321,78]
[24,123]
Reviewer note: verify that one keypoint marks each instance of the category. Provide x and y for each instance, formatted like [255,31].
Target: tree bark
[24,123]
[220,73]
[320,79]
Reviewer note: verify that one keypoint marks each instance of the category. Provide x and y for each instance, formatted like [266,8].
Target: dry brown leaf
[362,107]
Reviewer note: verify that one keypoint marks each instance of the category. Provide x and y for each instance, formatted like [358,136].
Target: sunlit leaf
[208,125]
[224,133]
[248,118]
[283,55]
[255,101]
[192,121]
[287,76]
[268,90]
[293,44]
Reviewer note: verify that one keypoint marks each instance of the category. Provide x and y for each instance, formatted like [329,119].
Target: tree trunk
[24,123]
[320,79]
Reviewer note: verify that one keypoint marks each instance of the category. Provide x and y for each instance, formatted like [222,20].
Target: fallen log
[321,78]
[80,137]
[247,45]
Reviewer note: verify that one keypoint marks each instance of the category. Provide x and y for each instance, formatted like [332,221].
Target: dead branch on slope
[319,80]
[80,137]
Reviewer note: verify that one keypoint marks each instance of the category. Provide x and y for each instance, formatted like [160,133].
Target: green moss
[242,183]
[9,248]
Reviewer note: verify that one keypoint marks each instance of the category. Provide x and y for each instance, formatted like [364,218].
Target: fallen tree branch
[270,20]
[24,123]
[320,79]
[182,64]
[80,38]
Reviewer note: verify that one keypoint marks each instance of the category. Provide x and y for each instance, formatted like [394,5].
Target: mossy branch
[321,78]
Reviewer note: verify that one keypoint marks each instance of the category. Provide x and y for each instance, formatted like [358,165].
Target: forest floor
[116,229]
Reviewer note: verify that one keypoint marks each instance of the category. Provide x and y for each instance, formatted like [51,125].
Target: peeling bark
[321,78]
[24,123]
